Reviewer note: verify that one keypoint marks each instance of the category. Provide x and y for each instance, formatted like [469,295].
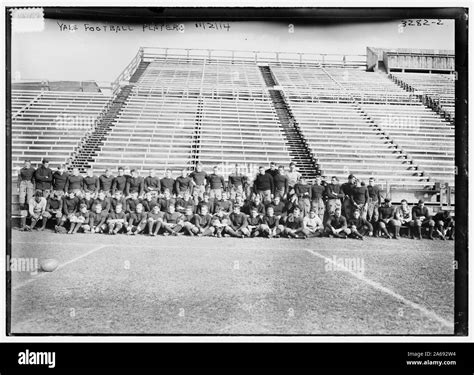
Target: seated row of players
[351,209]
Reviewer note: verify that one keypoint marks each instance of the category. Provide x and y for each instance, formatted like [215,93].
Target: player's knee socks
[43,224]
[431,230]
[23,221]
[33,223]
[397,231]
[157,227]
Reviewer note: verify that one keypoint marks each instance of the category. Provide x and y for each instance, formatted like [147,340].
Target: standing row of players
[204,204]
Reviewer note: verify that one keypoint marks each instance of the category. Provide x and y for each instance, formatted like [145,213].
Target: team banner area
[236,174]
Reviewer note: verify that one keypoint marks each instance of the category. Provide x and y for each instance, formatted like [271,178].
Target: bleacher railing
[152,53]
[128,71]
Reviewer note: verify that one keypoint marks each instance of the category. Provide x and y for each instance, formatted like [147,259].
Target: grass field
[182,285]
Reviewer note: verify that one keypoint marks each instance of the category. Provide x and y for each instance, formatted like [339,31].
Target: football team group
[276,203]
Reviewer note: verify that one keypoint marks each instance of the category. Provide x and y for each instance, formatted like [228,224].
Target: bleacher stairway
[91,146]
[297,145]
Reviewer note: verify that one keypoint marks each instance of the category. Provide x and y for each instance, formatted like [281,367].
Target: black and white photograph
[226,172]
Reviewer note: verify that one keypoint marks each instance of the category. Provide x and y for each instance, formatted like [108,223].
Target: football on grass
[49,265]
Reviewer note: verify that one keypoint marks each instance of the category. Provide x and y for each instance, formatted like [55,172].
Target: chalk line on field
[59,267]
[380,287]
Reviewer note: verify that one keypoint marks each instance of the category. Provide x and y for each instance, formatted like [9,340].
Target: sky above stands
[71,50]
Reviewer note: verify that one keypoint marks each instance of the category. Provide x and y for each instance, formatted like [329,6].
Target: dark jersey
[360,195]
[360,223]
[317,192]
[137,218]
[70,205]
[105,203]
[337,222]
[237,221]
[88,202]
[199,178]
[74,183]
[105,183]
[386,212]
[202,221]
[270,221]
[91,183]
[119,184]
[418,212]
[294,222]
[173,218]
[152,184]
[43,178]
[60,180]
[167,184]
[96,219]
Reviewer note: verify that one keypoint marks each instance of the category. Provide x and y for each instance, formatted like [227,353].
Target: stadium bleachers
[439,87]
[185,110]
[51,124]
[362,122]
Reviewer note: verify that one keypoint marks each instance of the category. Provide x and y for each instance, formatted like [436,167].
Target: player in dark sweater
[280,182]
[360,198]
[105,182]
[271,224]
[294,224]
[317,197]
[75,183]
[263,185]
[280,207]
[273,170]
[374,202]
[132,203]
[167,183]
[91,183]
[236,183]
[421,219]
[54,206]
[254,222]
[219,222]
[347,189]
[182,203]
[135,184]
[336,226]
[334,195]
[166,201]
[137,220]
[183,184]
[97,220]
[359,226]
[119,182]
[155,220]
[173,221]
[215,184]
[152,184]
[198,178]
[202,223]
[303,194]
[444,225]
[148,202]
[237,225]
[88,201]
[70,207]
[117,199]
[117,219]
[59,180]
[43,178]
[103,201]
[387,218]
